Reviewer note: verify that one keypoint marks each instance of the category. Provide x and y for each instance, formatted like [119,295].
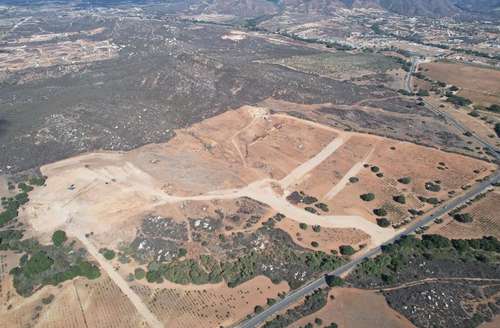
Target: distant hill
[254,8]
[491,7]
[434,8]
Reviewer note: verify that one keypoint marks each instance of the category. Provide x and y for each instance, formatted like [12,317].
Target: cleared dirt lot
[391,160]
[476,83]
[357,308]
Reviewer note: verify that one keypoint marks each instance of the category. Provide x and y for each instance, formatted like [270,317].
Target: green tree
[346,250]
[59,238]
[368,197]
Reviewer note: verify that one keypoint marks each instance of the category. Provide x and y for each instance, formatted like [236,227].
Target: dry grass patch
[356,308]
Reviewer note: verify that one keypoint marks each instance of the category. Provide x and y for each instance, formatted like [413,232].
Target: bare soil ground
[330,181]
[477,83]
[328,238]
[357,308]
[209,307]
[486,220]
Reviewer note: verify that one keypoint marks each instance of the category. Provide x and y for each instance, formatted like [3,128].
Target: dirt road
[117,279]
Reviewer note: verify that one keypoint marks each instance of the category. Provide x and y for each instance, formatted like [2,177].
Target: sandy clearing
[345,179]
[117,279]
[299,172]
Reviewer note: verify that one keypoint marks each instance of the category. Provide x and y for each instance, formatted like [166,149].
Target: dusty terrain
[476,83]
[357,308]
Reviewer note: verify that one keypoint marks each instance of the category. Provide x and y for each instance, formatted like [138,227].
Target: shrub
[333,280]
[182,252]
[318,321]
[380,212]
[383,222]
[346,250]
[422,93]
[37,181]
[48,299]
[316,228]
[368,197]
[258,309]
[38,263]
[59,237]
[271,301]
[435,241]
[311,210]
[303,226]
[458,100]
[314,244]
[353,179]
[497,129]
[108,254]
[139,273]
[309,200]
[322,206]
[399,199]
[463,217]
[375,169]
[431,186]
[24,187]
[404,180]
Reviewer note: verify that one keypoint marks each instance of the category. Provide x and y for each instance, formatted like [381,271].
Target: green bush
[314,244]
[463,217]
[353,179]
[346,250]
[333,280]
[258,309]
[108,254]
[368,197]
[37,263]
[59,238]
[383,222]
[24,187]
[375,169]
[431,186]
[303,226]
[182,252]
[404,180]
[316,228]
[139,273]
[399,199]
[380,212]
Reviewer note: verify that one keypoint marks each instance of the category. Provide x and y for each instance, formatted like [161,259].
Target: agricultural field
[477,83]
[209,306]
[485,219]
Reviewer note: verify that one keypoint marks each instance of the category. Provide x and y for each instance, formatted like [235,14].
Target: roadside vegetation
[43,265]
[411,259]
[311,304]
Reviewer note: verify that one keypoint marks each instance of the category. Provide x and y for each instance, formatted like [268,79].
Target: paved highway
[298,294]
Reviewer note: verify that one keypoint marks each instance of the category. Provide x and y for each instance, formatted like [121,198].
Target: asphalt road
[298,294]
